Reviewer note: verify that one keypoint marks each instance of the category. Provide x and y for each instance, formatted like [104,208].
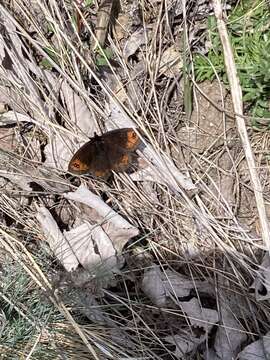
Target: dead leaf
[92,247]
[63,143]
[257,350]
[20,181]
[86,244]
[137,39]
[114,225]
[160,286]
[229,337]
[130,94]
[59,150]
[8,139]
[171,62]
[199,316]
[163,168]
[57,241]
[12,117]
[184,343]
[153,287]
[13,60]
[21,173]
[121,26]
[80,116]
[117,118]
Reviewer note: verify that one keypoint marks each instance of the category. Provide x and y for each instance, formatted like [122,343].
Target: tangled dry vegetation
[168,261]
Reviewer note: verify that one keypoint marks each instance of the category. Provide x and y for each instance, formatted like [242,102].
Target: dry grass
[214,235]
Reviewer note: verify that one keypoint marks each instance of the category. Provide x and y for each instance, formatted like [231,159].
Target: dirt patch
[208,127]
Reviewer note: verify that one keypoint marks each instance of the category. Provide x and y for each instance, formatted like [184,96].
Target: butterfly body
[111,151]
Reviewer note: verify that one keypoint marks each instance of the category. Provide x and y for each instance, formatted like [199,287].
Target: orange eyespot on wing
[133,140]
[76,166]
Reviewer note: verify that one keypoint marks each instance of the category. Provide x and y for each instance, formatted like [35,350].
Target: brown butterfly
[111,151]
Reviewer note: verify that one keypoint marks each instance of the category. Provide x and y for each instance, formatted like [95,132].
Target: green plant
[103,57]
[248,26]
[28,314]
[52,54]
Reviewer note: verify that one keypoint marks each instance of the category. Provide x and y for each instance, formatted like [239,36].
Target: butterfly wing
[120,145]
[91,158]
[126,139]
[102,154]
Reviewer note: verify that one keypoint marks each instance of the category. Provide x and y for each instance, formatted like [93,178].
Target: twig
[236,93]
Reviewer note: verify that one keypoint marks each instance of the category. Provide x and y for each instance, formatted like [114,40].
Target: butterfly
[112,151]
